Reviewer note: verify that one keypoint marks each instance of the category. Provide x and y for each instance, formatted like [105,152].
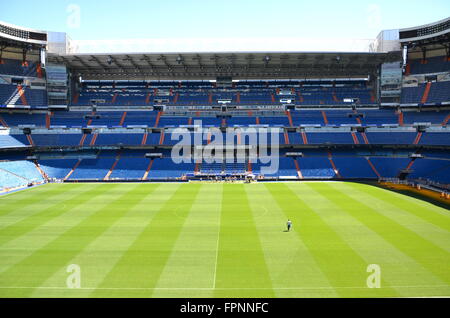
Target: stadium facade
[169,116]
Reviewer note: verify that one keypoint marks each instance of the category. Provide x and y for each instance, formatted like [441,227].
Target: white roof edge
[20,27]
[418,38]
[227,52]
[424,25]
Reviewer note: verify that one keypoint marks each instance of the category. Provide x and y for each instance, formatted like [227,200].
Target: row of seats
[198,94]
[290,138]
[15,67]
[32,97]
[18,173]
[430,65]
[439,92]
[6,92]
[303,97]
[151,118]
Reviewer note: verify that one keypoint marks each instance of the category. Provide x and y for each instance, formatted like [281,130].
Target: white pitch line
[217,251]
[225,288]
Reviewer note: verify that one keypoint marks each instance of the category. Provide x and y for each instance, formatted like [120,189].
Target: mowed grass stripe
[69,200]
[397,268]
[142,264]
[25,193]
[261,245]
[46,261]
[289,261]
[428,231]
[338,261]
[21,212]
[429,255]
[27,199]
[422,203]
[18,249]
[240,261]
[419,210]
[193,258]
[100,256]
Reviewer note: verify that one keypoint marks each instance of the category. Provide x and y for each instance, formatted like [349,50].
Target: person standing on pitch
[289,225]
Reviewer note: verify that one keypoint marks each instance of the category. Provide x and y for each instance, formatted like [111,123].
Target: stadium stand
[435,64]
[17,68]
[112,119]
[431,88]
[117,127]
[201,93]
[15,174]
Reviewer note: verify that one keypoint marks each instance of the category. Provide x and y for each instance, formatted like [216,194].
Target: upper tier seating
[149,118]
[6,92]
[435,138]
[433,117]
[15,67]
[118,135]
[390,137]
[439,92]
[412,95]
[201,93]
[430,65]
[17,119]
[32,97]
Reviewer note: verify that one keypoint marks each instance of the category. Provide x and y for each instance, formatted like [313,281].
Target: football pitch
[222,240]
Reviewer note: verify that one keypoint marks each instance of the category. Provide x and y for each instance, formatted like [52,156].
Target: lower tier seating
[315,164]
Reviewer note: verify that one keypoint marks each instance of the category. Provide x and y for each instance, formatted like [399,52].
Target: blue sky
[119,19]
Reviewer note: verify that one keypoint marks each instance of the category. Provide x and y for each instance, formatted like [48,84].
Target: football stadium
[229,174]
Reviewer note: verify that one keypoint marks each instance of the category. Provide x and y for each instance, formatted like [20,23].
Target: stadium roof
[242,65]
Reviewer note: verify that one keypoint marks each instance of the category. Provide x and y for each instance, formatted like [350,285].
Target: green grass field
[222,240]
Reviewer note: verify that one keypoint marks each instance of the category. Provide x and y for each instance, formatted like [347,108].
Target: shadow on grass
[411,194]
